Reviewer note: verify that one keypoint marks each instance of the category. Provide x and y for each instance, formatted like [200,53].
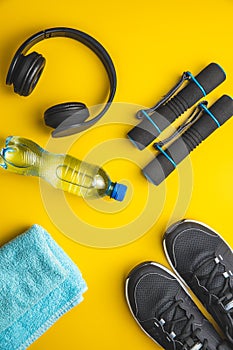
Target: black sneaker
[204,261]
[165,311]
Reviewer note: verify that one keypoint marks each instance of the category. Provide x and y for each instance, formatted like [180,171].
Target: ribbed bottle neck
[110,188]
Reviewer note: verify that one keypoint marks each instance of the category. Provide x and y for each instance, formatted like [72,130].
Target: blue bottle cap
[118,192]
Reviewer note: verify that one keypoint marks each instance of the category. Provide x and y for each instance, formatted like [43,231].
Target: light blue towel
[38,284]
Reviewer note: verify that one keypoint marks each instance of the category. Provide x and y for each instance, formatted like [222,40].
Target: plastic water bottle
[25,157]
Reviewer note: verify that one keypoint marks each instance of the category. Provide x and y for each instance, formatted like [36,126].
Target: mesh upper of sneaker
[205,262]
[160,302]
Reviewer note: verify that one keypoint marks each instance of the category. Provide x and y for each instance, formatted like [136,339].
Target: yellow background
[151,44]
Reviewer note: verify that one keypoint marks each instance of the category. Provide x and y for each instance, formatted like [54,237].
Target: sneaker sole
[127,298]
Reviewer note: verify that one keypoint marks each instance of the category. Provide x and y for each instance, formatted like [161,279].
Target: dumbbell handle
[160,167]
[152,124]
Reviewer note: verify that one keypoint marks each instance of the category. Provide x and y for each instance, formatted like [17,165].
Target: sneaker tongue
[174,314]
[169,315]
[218,280]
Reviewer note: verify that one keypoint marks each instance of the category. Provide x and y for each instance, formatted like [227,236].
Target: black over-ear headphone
[25,70]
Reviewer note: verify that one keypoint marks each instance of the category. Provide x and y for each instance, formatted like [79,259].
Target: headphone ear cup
[27,72]
[55,115]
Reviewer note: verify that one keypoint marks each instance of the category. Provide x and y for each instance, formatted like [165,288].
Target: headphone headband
[88,41]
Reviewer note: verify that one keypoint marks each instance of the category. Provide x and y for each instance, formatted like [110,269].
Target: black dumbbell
[160,167]
[156,121]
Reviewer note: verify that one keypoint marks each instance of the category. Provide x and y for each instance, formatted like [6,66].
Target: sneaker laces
[213,276]
[181,327]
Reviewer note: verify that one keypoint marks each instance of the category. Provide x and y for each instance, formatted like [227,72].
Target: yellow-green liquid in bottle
[62,171]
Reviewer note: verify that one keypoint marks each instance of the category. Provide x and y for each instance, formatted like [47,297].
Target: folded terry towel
[38,284]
